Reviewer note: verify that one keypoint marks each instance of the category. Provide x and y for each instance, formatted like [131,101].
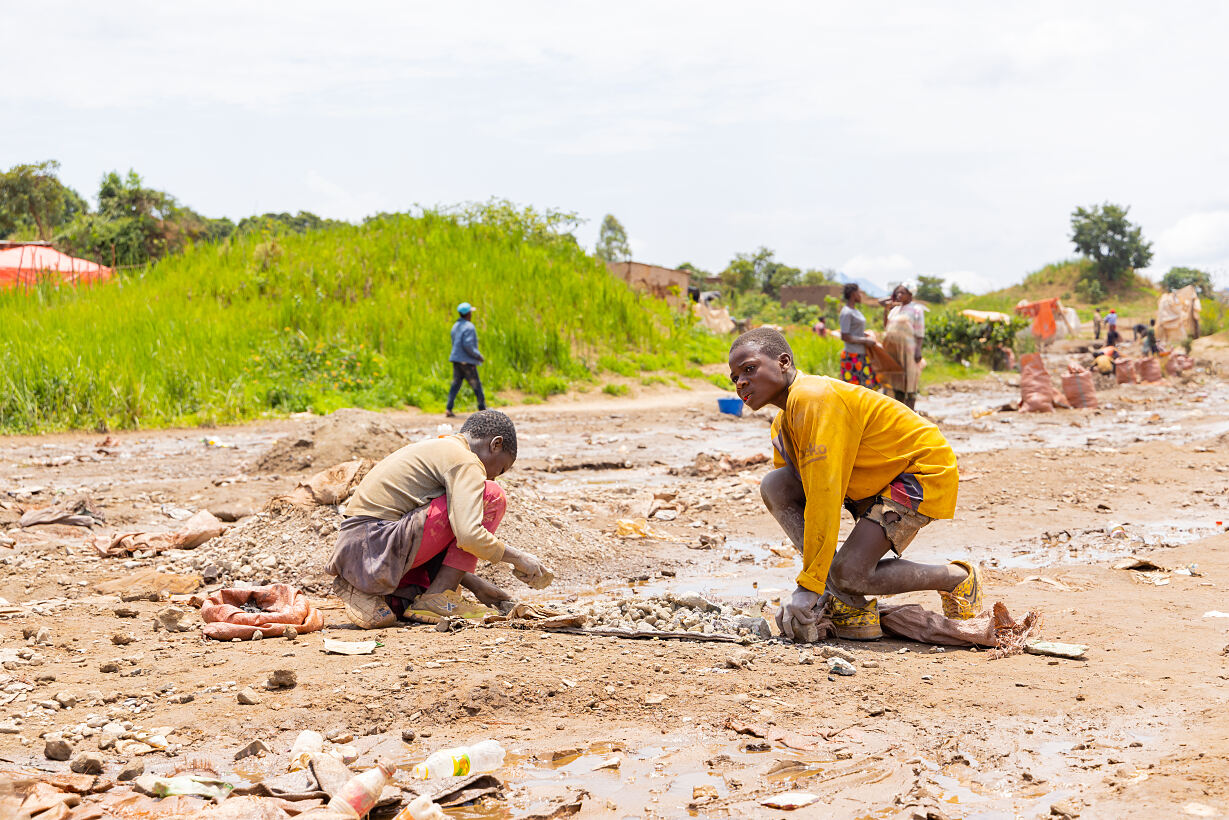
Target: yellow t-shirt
[846,441]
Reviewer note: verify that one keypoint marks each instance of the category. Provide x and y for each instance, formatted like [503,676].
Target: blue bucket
[733,407]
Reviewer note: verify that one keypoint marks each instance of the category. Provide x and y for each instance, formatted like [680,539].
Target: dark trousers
[466,373]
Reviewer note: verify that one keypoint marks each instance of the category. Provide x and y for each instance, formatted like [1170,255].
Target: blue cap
[464,307]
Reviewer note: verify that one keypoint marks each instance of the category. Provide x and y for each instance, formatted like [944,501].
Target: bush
[1090,290]
[962,339]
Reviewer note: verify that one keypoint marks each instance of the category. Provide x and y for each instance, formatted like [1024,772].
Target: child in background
[420,520]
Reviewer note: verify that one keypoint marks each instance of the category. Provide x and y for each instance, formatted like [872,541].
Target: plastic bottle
[486,756]
[308,743]
[422,808]
[362,791]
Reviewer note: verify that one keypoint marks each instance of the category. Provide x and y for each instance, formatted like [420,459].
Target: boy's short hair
[487,424]
[766,340]
[850,289]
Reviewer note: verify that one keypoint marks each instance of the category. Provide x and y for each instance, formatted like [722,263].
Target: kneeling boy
[835,442]
[420,520]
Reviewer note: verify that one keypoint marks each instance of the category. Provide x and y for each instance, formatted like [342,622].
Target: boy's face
[758,378]
[494,457]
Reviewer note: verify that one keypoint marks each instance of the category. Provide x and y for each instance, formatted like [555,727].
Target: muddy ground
[1138,728]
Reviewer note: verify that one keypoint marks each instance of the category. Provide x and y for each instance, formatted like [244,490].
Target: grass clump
[350,315]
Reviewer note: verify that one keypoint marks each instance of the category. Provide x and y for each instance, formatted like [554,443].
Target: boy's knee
[781,488]
[849,578]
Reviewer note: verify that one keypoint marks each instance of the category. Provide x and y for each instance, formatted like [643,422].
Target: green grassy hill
[1136,297]
[346,316]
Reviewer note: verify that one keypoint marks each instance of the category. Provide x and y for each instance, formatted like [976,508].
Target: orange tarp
[27,265]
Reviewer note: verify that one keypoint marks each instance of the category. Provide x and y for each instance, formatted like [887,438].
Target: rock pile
[684,612]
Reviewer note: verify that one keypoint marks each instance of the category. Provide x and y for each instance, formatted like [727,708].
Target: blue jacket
[465,343]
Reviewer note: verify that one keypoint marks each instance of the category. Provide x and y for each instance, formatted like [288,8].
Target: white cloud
[968,281]
[1196,237]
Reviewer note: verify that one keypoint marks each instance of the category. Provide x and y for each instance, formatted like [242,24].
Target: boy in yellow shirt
[837,443]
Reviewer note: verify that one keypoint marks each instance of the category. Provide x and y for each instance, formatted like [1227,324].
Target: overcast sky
[881,139]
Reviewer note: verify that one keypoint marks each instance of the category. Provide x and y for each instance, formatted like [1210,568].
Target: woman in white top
[903,335]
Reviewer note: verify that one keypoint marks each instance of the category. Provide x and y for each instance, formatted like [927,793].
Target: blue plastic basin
[733,407]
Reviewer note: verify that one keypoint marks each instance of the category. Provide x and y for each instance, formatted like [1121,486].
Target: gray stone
[57,750]
[86,763]
[43,636]
[132,770]
[186,697]
[108,666]
[66,700]
[290,633]
[408,735]
[248,697]
[840,666]
[256,747]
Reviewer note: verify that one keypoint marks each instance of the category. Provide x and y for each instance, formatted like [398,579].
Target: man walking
[465,358]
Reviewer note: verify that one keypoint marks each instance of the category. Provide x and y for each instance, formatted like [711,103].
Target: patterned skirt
[856,369]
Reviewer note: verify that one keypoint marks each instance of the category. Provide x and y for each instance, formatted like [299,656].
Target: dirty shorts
[900,498]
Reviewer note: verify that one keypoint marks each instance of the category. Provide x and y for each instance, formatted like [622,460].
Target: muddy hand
[797,617]
[530,571]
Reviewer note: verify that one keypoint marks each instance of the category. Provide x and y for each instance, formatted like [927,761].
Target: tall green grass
[347,316]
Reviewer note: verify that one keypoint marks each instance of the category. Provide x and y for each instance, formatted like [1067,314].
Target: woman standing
[903,335]
[855,356]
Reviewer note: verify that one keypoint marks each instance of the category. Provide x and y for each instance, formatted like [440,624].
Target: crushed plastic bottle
[308,743]
[362,791]
[486,756]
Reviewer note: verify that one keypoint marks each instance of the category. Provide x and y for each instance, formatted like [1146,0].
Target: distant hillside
[343,316]
[1137,297]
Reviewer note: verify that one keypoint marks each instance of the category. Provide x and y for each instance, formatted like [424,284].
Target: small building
[809,294]
[662,283]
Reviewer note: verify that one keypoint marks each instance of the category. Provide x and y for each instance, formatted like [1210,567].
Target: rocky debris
[123,638]
[344,435]
[282,679]
[290,633]
[408,735]
[247,696]
[256,747]
[86,763]
[170,618]
[131,771]
[686,612]
[125,612]
[840,666]
[66,700]
[186,697]
[836,652]
[339,735]
[57,750]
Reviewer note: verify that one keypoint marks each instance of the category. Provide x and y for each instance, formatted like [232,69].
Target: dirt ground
[611,727]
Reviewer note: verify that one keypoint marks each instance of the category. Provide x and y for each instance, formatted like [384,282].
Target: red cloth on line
[437,536]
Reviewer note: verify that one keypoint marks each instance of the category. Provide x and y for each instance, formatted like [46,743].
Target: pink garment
[437,536]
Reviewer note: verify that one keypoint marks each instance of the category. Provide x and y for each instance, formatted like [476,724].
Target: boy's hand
[529,569]
[799,613]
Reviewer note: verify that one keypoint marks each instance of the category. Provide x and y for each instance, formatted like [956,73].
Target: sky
[885,140]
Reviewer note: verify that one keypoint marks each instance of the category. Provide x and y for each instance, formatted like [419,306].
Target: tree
[1115,245]
[1178,278]
[930,289]
[819,276]
[759,271]
[954,291]
[612,241]
[32,198]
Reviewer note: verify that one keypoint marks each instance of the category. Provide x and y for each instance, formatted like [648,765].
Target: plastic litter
[333,647]
[421,808]
[486,756]
[362,791]
[305,746]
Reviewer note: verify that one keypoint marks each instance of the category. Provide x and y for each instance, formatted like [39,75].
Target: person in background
[821,327]
[1096,323]
[465,358]
[1111,325]
[1150,347]
[904,332]
[1112,339]
[855,355]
